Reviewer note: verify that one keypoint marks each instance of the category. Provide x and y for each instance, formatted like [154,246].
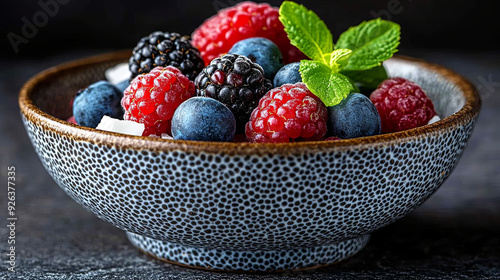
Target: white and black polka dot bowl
[240,206]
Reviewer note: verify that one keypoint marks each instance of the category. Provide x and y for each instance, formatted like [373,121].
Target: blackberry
[235,81]
[166,49]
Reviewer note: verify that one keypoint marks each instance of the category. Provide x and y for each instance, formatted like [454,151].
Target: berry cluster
[235,81]
[239,79]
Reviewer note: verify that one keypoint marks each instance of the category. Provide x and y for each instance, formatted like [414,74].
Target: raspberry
[235,81]
[152,98]
[402,105]
[245,20]
[286,114]
[165,49]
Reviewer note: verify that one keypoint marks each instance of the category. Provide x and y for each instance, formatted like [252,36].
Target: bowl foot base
[219,259]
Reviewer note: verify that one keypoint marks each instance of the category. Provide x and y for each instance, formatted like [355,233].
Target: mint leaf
[330,86]
[335,70]
[370,78]
[338,59]
[371,43]
[306,30]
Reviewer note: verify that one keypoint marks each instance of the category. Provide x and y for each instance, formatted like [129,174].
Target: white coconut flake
[434,119]
[118,73]
[119,126]
[166,136]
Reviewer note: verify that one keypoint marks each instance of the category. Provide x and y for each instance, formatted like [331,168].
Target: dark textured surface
[454,235]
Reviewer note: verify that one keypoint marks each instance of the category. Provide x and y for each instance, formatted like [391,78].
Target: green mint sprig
[324,80]
[335,68]
[306,31]
[371,43]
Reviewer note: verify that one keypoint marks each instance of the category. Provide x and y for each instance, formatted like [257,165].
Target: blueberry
[288,74]
[355,116]
[121,86]
[261,51]
[203,119]
[96,101]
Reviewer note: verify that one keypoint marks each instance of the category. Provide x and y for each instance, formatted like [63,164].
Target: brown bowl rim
[469,111]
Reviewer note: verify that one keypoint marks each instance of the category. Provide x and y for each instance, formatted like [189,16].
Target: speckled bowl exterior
[242,206]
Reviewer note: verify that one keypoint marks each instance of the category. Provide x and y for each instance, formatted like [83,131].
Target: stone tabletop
[454,235]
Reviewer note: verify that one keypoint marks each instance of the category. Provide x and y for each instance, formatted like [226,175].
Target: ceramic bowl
[241,206]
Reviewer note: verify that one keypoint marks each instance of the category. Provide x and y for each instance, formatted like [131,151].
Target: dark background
[453,235]
[115,24]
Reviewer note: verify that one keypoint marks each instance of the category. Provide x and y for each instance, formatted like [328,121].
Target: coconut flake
[121,126]
[118,73]
[434,119]
[166,136]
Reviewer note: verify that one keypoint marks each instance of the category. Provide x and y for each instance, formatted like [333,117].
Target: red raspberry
[152,98]
[286,114]
[402,105]
[245,20]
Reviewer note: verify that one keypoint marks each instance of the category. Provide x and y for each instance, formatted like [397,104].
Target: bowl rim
[31,112]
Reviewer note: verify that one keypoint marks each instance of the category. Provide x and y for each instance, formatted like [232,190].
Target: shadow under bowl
[242,206]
